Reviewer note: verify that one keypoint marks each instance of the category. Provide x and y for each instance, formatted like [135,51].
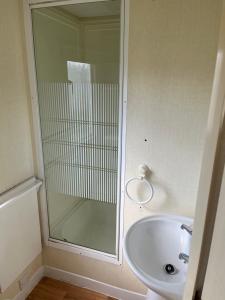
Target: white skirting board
[80,281]
[92,284]
[38,275]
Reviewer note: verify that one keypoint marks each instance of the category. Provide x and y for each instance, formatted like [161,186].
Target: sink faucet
[187,228]
[183,256]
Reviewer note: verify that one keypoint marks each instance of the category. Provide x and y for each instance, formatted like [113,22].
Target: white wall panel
[19,235]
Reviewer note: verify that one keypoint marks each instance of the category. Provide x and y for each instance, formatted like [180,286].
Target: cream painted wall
[16,160]
[210,202]
[171,60]
[170,80]
[172,50]
[14,288]
[20,236]
[116,275]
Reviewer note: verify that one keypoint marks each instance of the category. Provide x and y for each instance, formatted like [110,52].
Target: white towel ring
[142,178]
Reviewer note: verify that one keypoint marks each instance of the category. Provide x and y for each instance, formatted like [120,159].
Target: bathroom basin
[151,246]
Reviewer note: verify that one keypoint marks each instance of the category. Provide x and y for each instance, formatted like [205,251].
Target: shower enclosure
[77,52]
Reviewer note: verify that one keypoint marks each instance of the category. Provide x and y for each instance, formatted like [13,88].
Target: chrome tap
[187,228]
[184,257]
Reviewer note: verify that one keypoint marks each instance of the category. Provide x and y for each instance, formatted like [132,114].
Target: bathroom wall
[14,288]
[172,50]
[16,160]
[169,86]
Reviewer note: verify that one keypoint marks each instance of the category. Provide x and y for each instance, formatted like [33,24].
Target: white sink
[151,244]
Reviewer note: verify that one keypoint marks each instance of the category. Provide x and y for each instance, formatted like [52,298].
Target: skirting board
[92,284]
[38,275]
[77,280]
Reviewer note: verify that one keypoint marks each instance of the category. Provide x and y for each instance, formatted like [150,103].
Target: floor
[50,289]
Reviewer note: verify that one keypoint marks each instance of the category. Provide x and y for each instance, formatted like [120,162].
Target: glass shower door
[77,49]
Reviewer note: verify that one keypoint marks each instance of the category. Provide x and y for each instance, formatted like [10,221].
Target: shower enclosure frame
[28,5]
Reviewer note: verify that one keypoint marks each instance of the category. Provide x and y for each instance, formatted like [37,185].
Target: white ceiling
[94,9]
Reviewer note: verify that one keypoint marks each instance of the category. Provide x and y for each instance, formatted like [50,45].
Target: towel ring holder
[150,187]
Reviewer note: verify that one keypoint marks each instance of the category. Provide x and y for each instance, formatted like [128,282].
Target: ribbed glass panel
[80,138]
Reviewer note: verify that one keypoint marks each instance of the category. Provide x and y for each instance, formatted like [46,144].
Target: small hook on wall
[143,170]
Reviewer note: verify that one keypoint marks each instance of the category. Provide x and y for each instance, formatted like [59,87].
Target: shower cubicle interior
[77,57]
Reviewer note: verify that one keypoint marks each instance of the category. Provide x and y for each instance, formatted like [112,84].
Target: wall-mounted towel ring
[143,169]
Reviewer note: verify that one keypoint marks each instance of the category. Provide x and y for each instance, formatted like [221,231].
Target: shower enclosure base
[90,224]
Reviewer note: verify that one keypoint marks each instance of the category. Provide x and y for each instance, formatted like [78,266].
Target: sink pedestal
[154,296]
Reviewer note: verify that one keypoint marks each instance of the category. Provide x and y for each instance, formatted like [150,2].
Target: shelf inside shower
[82,122]
[82,165]
[82,145]
[74,165]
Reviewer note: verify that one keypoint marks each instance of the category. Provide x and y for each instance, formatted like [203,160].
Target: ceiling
[94,9]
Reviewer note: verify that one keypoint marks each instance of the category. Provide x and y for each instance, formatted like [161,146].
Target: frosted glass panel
[80,138]
[77,63]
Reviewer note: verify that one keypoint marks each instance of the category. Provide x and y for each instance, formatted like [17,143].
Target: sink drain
[170,269]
